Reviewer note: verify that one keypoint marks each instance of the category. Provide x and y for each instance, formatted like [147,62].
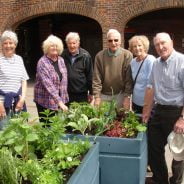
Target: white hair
[72,35]
[8,34]
[115,32]
[50,41]
[164,35]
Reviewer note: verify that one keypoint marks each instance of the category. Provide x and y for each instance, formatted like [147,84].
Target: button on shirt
[167,79]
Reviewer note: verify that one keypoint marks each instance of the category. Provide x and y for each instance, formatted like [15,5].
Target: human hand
[63,106]
[90,98]
[146,113]
[20,104]
[97,101]
[92,102]
[126,103]
[2,111]
[179,126]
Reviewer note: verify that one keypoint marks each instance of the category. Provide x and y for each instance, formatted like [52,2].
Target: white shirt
[167,79]
[12,73]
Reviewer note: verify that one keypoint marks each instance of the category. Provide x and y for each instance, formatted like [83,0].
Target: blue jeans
[9,113]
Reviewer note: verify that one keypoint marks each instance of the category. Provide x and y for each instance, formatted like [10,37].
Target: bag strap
[138,72]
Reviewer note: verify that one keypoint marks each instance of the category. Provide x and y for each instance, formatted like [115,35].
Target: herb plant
[35,154]
[106,120]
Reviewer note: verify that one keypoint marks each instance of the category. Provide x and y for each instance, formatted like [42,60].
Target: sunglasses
[115,40]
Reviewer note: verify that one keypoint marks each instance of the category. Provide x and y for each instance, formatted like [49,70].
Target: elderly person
[80,68]
[112,73]
[141,66]
[50,90]
[166,88]
[13,77]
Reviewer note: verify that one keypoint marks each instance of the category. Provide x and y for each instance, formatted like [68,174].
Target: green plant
[132,125]
[36,172]
[49,135]
[103,120]
[8,172]
[84,118]
[66,154]
[83,123]
[35,154]
[18,135]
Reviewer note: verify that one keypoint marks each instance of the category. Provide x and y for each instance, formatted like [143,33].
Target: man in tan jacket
[112,73]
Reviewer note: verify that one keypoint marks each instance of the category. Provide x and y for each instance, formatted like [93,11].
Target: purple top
[48,89]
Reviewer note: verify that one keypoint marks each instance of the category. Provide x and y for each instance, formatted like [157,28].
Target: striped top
[12,73]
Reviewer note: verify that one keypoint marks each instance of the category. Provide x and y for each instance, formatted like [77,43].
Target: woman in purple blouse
[50,90]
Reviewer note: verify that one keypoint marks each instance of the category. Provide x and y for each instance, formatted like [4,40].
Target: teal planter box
[122,160]
[88,171]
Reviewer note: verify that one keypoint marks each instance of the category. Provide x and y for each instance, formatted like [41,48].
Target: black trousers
[136,108]
[77,97]
[159,128]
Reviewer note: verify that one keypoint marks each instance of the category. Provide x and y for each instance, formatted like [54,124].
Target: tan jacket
[112,74]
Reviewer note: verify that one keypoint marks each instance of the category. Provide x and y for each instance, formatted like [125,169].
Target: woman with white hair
[13,77]
[50,90]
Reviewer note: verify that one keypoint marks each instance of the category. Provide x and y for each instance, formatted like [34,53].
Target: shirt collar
[75,55]
[116,53]
[168,60]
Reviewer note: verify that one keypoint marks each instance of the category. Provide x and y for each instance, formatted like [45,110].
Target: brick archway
[140,8]
[49,7]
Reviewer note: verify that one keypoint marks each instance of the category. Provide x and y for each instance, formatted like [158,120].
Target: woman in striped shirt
[13,77]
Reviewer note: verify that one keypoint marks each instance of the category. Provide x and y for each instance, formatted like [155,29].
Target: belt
[168,107]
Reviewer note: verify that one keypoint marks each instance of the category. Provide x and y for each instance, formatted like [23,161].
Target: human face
[73,46]
[163,46]
[138,49]
[8,47]
[114,42]
[52,51]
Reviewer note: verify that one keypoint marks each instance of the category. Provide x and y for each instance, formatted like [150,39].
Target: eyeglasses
[115,40]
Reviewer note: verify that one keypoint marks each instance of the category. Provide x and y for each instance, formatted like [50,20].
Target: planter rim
[87,157]
[139,136]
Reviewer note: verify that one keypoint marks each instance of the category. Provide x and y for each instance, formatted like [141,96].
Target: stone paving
[31,107]
[32,110]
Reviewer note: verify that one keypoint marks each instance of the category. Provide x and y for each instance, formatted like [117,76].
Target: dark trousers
[159,128]
[42,117]
[10,112]
[136,108]
[77,97]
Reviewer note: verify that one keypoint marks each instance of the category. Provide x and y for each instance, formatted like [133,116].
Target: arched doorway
[33,32]
[165,20]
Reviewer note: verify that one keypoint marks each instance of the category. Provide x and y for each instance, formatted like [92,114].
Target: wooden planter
[88,171]
[122,160]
